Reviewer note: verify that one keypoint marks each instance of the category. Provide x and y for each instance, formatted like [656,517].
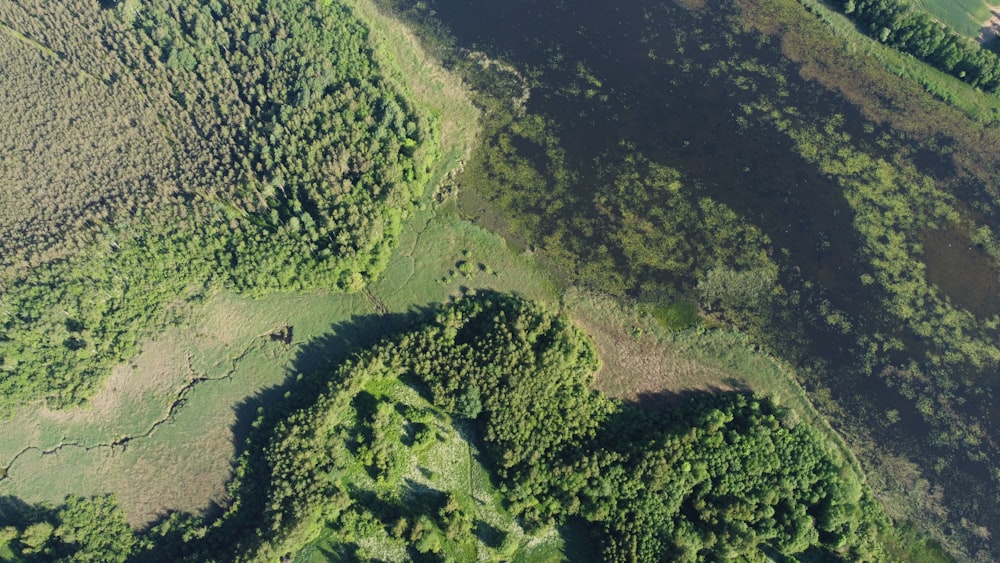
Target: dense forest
[650,485]
[287,163]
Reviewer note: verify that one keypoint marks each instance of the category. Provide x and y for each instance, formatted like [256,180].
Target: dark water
[677,115]
[963,271]
[688,117]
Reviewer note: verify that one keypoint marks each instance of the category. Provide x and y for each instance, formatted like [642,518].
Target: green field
[965,16]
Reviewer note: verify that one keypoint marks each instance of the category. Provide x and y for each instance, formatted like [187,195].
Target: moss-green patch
[964,16]
[185,462]
[678,315]
[429,257]
[448,466]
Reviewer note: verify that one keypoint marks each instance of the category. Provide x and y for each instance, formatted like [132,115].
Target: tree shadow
[16,512]
[489,535]
[667,399]
[345,552]
[581,540]
[421,498]
[314,366]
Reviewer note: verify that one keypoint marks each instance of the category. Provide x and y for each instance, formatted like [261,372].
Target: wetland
[866,248]
[726,227]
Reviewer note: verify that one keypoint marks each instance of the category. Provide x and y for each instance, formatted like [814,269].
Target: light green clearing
[449,466]
[964,16]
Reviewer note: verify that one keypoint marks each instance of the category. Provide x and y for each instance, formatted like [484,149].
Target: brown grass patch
[160,477]
[638,365]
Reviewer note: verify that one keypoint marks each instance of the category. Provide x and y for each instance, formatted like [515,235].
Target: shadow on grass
[315,363]
[16,512]
[665,400]
[581,540]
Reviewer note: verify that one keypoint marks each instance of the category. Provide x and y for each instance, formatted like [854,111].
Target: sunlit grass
[964,16]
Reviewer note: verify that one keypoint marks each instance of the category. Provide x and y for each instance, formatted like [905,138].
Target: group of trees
[82,529]
[280,158]
[908,27]
[719,477]
[305,143]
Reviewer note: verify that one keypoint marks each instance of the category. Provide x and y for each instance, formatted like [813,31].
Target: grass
[452,465]
[964,16]
[184,463]
[441,253]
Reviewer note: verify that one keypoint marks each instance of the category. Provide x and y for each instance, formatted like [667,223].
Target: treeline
[297,162]
[909,28]
[720,477]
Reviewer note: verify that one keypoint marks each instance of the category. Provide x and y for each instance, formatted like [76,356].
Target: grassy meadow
[965,16]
